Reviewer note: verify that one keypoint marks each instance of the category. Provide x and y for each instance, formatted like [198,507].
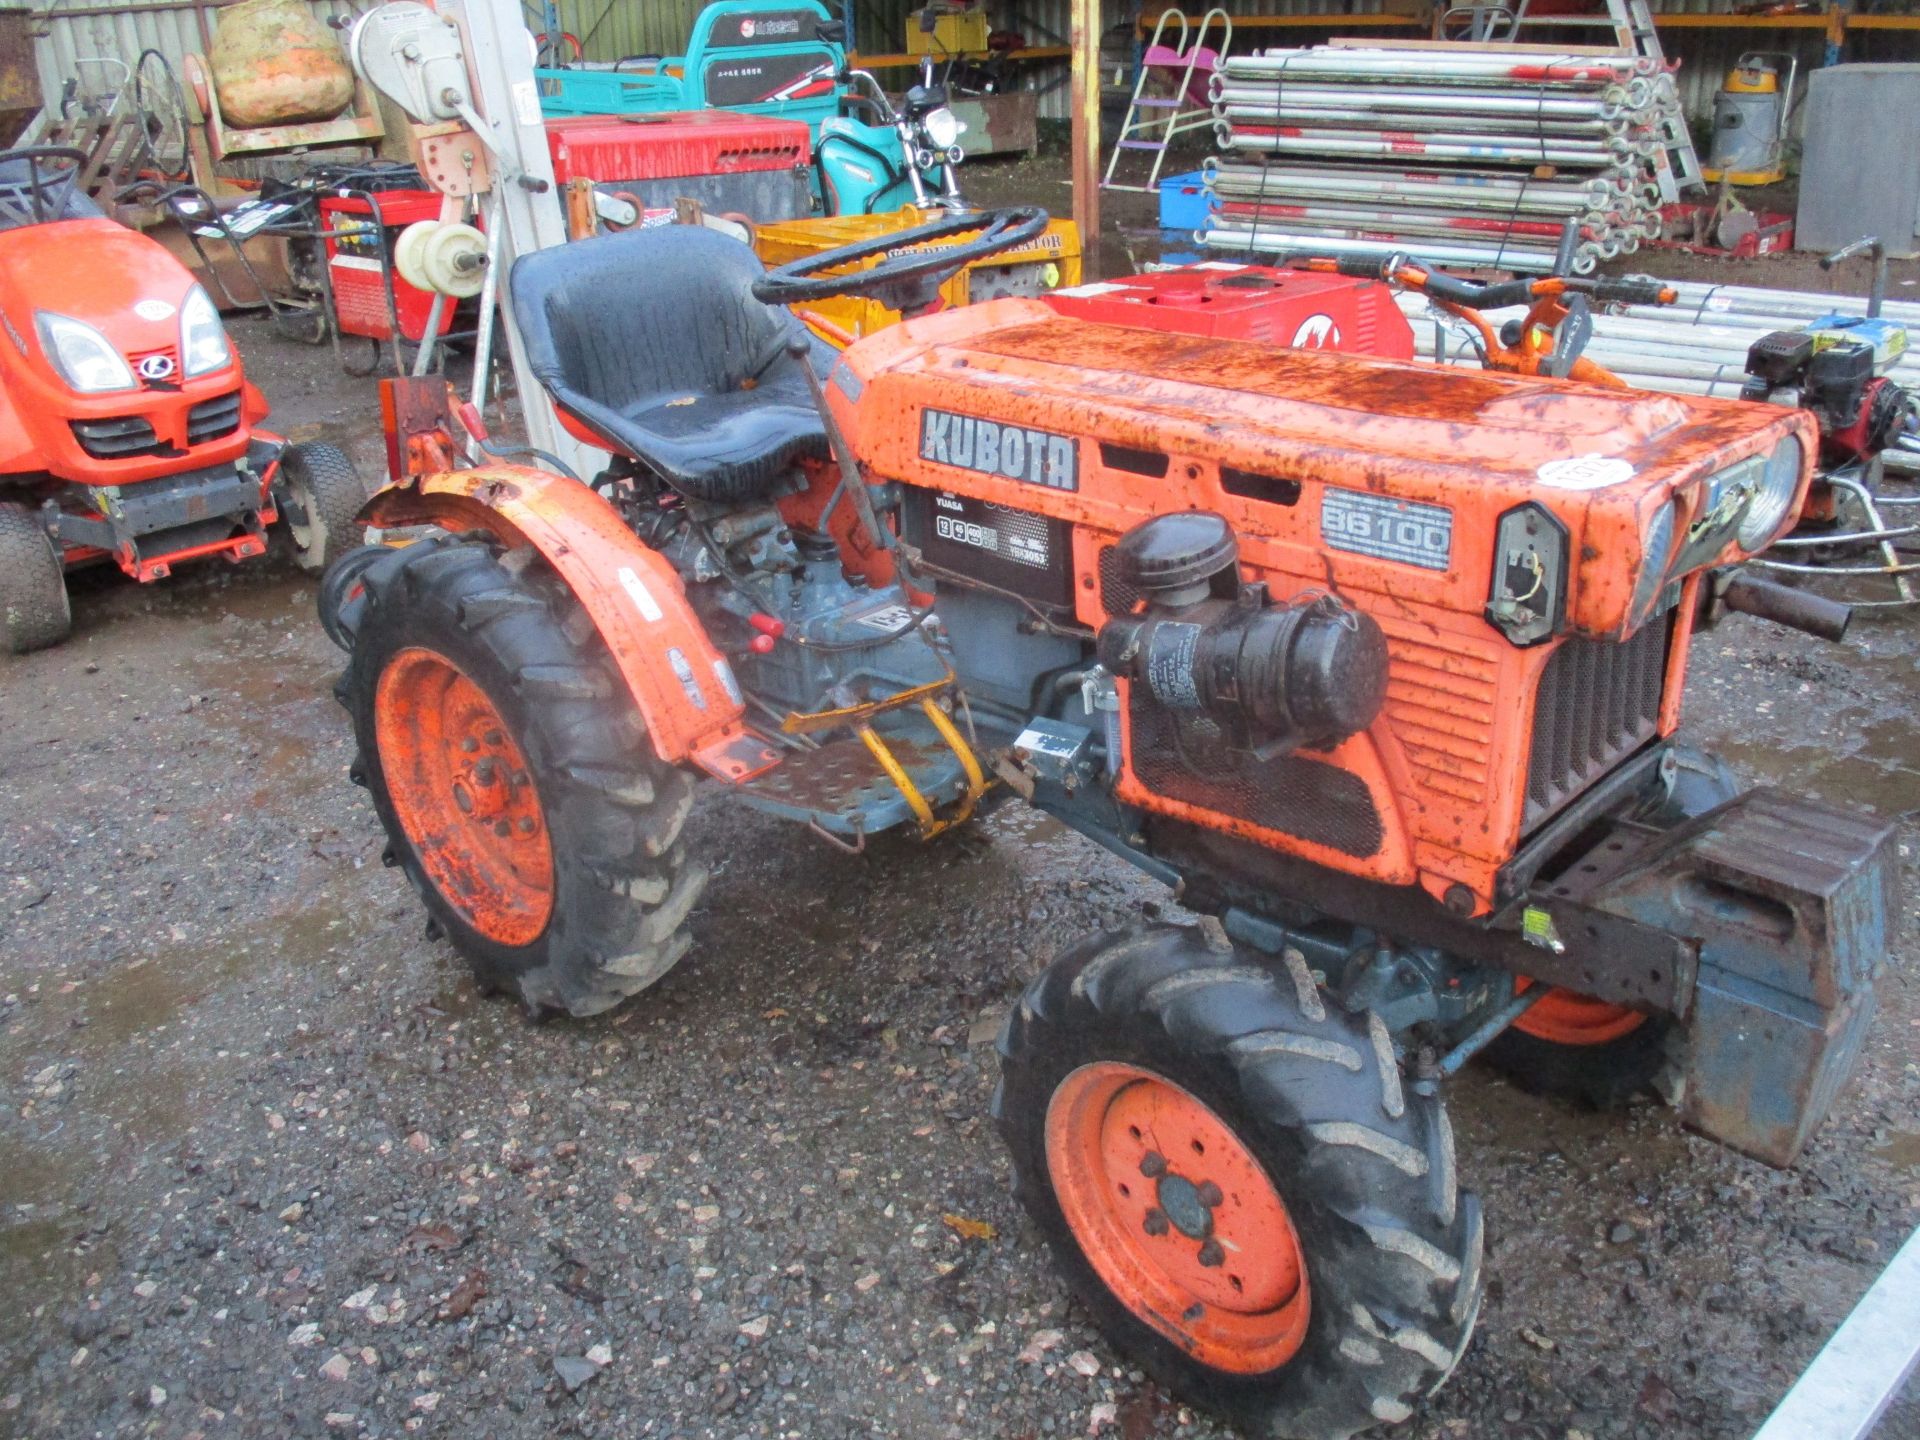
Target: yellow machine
[1750,120]
[1050,262]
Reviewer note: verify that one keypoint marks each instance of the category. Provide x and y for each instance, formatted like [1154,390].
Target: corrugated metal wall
[82,34]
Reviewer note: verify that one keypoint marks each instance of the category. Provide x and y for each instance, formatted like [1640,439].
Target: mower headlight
[942,127]
[1773,496]
[82,355]
[203,339]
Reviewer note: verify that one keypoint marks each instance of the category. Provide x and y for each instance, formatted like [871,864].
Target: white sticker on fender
[1585,472]
[642,597]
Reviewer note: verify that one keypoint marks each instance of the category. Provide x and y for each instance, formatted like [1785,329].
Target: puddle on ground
[1901,1150]
[1879,776]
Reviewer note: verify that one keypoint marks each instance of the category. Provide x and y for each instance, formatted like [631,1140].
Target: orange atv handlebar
[1473,295]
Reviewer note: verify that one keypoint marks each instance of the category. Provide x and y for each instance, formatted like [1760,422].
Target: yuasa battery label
[987,447]
[1402,530]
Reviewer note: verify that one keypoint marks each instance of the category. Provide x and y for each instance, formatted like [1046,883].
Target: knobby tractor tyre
[34,610]
[1237,1184]
[322,484]
[1577,1048]
[514,777]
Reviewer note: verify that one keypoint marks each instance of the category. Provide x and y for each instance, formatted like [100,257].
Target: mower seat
[653,340]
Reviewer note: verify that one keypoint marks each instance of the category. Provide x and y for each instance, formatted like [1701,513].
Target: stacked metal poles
[1697,346]
[1465,154]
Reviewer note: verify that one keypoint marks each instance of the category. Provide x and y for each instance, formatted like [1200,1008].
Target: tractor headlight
[203,339]
[1772,497]
[82,355]
[943,128]
[1529,591]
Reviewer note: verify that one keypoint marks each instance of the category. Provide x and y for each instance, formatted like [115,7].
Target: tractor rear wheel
[1237,1184]
[515,779]
[324,495]
[1577,1048]
[33,583]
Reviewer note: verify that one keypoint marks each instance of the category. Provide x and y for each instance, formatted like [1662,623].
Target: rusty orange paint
[462,794]
[633,595]
[1446,761]
[1177,1217]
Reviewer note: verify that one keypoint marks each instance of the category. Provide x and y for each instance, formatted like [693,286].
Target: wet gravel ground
[269,1166]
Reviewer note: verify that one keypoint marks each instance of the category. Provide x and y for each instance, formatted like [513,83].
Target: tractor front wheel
[1577,1048]
[33,584]
[515,779]
[321,494]
[1237,1184]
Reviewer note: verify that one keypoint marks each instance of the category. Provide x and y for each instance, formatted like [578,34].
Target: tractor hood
[1378,475]
[103,274]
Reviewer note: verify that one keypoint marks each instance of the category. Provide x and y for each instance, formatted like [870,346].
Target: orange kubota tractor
[1377,665]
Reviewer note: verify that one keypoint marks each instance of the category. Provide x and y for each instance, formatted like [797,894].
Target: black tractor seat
[653,339]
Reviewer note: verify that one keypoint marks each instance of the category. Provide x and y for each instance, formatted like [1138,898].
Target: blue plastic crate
[1185,203]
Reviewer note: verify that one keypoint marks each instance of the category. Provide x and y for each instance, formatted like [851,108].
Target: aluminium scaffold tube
[1294,241]
[1342,149]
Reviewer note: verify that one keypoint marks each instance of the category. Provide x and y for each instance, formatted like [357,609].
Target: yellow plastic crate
[1050,262]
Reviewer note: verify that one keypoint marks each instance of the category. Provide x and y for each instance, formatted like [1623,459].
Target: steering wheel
[38,185]
[910,279]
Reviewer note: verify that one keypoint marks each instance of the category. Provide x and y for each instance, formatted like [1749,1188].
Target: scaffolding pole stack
[1470,155]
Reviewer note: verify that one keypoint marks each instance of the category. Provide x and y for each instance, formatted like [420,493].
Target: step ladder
[1676,167]
[1170,91]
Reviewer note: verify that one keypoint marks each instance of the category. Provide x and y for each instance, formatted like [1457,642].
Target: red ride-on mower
[126,427]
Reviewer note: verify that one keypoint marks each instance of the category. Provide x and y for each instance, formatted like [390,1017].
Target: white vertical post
[527,207]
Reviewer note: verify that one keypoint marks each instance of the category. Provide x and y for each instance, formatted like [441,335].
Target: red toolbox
[754,165]
[1250,302]
[359,271]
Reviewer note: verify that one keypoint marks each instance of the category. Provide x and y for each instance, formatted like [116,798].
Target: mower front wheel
[323,495]
[514,777]
[33,583]
[1237,1184]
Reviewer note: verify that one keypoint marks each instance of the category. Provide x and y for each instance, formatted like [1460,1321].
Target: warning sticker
[1402,530]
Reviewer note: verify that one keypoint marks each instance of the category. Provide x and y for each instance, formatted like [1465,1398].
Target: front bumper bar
[151,526]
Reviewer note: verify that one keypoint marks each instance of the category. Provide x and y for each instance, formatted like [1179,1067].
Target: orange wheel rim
[1564,1017]
[1177,1218]
[461,791]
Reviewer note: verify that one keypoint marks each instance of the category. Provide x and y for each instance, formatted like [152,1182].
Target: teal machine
[786,59]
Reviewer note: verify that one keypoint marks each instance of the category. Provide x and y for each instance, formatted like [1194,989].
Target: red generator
[360,264]
[751,165]
[1227,301]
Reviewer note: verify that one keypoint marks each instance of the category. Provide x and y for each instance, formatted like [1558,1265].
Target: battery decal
[1405,531]
[987,447]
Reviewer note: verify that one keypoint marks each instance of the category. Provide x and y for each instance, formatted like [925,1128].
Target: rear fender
[683,686]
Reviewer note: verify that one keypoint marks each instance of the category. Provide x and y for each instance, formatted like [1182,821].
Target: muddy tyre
[1237,1184]
[1575,1048]
[33,585]
[323,495]
[514,777]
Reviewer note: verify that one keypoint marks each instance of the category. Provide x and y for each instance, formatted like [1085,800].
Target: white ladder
[1158,115]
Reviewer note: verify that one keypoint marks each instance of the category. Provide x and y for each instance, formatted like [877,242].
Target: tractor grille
[211,419]
[1598,702]
[117,438]
[1117,597]
[1185,757]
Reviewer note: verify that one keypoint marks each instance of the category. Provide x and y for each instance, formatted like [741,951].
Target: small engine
[1267,678]
[1836,367]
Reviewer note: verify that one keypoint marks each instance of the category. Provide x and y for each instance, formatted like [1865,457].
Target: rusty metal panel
[1791,903]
